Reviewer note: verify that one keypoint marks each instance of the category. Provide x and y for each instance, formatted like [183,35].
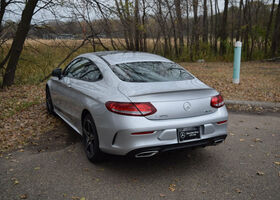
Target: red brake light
[142,133]
[217,101]
[133,109]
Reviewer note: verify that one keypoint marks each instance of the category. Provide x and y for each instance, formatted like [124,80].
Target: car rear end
[167,108]
[154,123]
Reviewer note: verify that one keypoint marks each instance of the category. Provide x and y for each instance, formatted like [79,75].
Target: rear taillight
[217,101]
[133,109]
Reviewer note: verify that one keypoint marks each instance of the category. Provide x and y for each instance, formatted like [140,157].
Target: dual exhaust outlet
[146,154]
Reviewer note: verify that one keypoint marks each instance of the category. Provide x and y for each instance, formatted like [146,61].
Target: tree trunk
[136,25]
[3,5]
[217,14]
[144,31]
[239,20]
[18,42]
[173,30]
[224,30]
[276,34]
[162,27]
[246,32]
[129,25]
[211,24]
[123,22]
[249,29]
[188,25]
[268,27]
[179,25]
[195,35]
[205,23]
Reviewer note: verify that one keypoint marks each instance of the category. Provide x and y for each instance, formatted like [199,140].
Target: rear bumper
[117,138]
[173,147]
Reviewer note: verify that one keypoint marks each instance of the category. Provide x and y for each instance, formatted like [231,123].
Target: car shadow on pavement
[168,162]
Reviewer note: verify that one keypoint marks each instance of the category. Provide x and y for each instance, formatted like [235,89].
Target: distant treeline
[183,30]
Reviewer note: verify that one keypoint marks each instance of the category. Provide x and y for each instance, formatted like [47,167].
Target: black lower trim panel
[171,147]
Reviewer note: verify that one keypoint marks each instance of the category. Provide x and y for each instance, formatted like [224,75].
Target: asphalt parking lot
[245,166]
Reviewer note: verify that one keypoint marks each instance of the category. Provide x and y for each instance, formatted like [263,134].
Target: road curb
[253,106]
[254,103]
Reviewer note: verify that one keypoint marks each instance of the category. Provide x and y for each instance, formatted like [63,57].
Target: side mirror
[57,73]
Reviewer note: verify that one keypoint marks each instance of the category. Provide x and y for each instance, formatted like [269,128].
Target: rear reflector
[143,133]
[217,101]
[132,109]
[222,122]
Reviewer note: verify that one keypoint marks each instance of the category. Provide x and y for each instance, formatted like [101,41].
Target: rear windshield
[151,72]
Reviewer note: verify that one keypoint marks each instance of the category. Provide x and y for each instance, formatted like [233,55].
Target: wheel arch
[84,113]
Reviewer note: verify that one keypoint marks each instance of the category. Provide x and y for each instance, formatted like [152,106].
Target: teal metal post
[237,61]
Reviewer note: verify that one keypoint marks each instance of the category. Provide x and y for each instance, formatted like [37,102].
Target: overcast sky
[44,15]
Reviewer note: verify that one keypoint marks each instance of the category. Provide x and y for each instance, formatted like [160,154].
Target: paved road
[56,168]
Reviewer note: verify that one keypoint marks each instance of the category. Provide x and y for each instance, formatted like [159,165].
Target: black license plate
[188,133]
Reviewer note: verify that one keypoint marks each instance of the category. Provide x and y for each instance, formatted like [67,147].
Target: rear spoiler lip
[134,90]
[170,91]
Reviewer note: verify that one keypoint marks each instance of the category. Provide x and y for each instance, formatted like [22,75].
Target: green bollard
[237,60]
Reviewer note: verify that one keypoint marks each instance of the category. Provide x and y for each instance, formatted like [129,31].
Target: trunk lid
[173,100]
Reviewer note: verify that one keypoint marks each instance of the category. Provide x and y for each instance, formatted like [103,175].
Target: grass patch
[259,81]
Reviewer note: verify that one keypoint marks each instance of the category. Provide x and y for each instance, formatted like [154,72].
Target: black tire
[49,103]
[90,140]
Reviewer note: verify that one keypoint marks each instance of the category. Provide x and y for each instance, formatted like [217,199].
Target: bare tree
[18,42]
[224,30]
[195,35]
[136,25]
[276,34]
[205,23]
[179,25]
[239,20]
[269,27]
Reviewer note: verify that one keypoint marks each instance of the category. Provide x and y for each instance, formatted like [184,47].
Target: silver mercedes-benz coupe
[134,103]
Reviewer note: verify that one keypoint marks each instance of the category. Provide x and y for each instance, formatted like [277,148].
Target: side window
[71,66]
[77,68]
[90,72]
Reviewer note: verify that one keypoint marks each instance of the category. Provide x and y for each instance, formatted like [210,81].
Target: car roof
[117,57]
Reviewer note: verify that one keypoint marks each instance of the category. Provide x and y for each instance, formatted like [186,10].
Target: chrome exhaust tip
[146,154]
[218,141]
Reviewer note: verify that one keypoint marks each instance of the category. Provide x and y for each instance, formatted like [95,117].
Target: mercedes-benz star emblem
[187,106]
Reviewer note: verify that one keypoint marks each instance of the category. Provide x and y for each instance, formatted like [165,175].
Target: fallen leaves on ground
[162,195]
[23,196]
[78,198]
[15,181]
[19,125]
[172,187]
[277,163]
[260,173]
[257,140]
[238,190]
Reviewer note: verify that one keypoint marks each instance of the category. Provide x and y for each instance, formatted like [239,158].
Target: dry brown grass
[259,81]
